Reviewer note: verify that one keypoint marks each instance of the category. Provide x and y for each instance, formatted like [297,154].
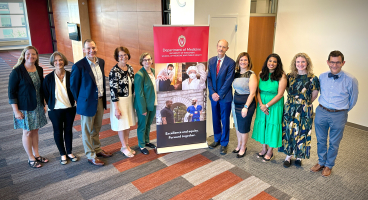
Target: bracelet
[245,106]
[266,105]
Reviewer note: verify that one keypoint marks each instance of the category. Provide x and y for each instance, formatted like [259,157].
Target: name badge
[195,112]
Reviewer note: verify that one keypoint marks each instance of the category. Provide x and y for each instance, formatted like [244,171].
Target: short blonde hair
[294,70]
[56,53]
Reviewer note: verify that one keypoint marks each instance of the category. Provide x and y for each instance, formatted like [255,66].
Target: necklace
[61,77]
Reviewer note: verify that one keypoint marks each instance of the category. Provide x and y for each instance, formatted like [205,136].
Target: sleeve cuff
[13,101]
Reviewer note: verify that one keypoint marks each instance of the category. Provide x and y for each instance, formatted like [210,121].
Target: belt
[99,97]
[331,110]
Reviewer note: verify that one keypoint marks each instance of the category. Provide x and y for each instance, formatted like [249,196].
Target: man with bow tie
[339,94]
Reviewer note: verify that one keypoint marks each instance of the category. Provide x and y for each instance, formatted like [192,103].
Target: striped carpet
[196,174]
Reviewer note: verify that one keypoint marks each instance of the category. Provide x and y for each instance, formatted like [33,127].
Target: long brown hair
[250,65]
[294,70]
[22,59]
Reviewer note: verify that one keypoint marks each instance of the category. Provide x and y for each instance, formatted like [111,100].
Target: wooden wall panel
[61,17]
[127,5]
[260,40]
[128,23]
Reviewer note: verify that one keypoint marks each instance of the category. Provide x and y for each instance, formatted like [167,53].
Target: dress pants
[144,127]
[221,115]
[90,131]
[335,121]
[62,123]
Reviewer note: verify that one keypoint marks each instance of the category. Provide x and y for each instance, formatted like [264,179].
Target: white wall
[206,8]
[318,27]
[182,15]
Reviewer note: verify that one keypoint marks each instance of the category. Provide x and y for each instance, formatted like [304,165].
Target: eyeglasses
[147,60]
[335,63]
[122,56]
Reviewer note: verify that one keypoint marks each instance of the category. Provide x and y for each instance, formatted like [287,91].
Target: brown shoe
[316,168]
[103,154]
[326,172]
[96,161]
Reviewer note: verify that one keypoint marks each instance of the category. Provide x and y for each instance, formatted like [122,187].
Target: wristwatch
[245,106]
[266,105]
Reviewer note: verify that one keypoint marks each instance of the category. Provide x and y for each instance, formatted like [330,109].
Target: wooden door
[260,40]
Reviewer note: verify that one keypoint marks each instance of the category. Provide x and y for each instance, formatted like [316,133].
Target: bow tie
[334,76]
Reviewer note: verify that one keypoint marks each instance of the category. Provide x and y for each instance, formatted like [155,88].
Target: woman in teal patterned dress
[267,125]
[26,98]
[303,87]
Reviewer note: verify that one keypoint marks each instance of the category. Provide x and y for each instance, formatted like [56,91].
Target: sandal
[41,159]
[34,164]
[63,162]
[129,155]
[73,159]
[132,151]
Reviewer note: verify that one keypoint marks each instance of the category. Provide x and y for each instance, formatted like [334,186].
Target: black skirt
[239,102]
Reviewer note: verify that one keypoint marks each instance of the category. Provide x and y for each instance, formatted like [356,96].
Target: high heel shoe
[259,155]
[241,156]
[266,160]
[236,151]
[129,155]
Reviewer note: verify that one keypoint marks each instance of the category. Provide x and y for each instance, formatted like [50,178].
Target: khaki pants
[90,132]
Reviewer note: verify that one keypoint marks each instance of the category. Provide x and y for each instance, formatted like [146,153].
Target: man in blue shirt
[339,94]
[195,110]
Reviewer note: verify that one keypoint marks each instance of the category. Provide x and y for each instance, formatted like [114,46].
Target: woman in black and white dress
[122,115]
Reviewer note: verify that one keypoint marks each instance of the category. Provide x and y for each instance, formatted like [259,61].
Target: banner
[181,65]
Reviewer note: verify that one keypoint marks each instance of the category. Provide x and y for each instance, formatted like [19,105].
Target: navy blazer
[221,84]
[49,89]
[84,88]
[21,90]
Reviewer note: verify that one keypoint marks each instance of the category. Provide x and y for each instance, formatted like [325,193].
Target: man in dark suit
[87,83]
[220,77]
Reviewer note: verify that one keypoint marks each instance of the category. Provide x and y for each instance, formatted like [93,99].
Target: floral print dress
[298,115]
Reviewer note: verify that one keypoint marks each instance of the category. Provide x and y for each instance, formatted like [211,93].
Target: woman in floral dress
[302,88]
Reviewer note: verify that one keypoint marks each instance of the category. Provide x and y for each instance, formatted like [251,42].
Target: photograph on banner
[175,109]
[168,76]
[194,75]
[180,106]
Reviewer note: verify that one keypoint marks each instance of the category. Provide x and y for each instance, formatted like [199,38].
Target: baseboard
[364,128]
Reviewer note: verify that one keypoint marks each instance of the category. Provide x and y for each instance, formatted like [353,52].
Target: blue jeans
[323,122]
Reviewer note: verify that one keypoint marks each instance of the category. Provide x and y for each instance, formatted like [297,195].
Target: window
[13,24]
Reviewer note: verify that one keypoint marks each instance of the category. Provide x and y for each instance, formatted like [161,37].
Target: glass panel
[6,33]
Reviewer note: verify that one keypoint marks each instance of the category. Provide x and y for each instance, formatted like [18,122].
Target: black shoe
[150,145]
[259,155]
[213,145]
[298,163]
[236,151]
[241,156]
[223,150]
[287,163]
[266,160]
[144,151]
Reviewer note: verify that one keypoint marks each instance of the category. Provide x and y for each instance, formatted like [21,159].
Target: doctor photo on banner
[195,77]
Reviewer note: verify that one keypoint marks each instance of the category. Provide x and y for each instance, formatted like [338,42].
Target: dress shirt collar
[90,62]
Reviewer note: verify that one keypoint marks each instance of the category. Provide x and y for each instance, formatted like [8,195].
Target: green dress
[298,116]
[268,128]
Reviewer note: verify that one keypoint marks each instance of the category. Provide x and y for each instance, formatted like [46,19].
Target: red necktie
[218,67]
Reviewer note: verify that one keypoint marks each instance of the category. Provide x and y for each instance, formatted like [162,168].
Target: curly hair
[22,59]
[277,74]
[294,70]
[123,49]
[242,54]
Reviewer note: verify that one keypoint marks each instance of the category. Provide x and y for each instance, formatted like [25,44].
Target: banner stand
[182,148]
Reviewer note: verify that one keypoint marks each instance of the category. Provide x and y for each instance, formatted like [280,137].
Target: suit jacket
[84,88]
[221,84]
[145,93]
[49,89]
[21,90]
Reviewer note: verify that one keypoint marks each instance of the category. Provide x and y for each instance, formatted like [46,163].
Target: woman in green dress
[268,123]
[302,87]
